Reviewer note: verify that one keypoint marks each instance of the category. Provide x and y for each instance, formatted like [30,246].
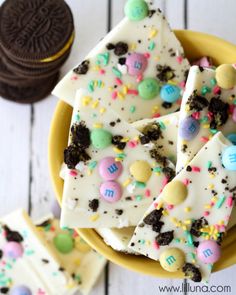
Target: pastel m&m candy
[110,191]
[208,251]
[109,169]
[226,76]
[232,137]
[64,243]
[172,259]
[13,250]
[175,192]
[20,290]
[101,138]
[170,93]
[149,88]
[229,158]
[56,209]
[141,170]
[136,10]
[189,128]
[136,64]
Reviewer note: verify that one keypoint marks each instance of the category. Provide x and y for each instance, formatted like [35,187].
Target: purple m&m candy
[13,250]
[189,128]
[109,169]
[208,251]
[56,209]
[136,63]
[110,191]
[20,290]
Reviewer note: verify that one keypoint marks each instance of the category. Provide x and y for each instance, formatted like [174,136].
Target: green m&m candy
[149,88]
[64,243]
[136,10]
[100,138]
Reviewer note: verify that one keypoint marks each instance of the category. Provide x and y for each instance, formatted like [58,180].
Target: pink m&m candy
[109,169]
[136,63]
[208,251]
[110,191]
[234,115]
[13,250]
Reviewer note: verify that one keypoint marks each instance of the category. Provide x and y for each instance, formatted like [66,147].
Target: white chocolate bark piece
[26,259]
[203,112]
[93,199]
[166,140]
[105,72]
[209,190]
[81,262]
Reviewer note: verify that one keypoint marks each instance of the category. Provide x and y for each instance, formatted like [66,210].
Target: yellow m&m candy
[226,76]
[175,192]
[141,170]
[172,259]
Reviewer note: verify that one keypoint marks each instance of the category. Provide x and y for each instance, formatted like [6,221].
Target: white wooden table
[24,129]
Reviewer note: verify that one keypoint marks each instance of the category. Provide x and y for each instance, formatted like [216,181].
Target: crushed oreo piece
[117,141]
[45,223]
[122,61]
[144,139]
[197,225]
[197,102]
[220,111]
[46,261]
[153,217]
[61,269]
[166,105]
[12,236]
[153,131]
[119,211]
[110,46]
[82,68]
[151,12]
[80,135]
[154,153]
[169,173]
[196,244]
[165,73]
[189,168]
[220,238]
[94,204]
[165,238]
[4,290]
[1,254]
[121,48]
[73,155]
[192,272]
[157,226]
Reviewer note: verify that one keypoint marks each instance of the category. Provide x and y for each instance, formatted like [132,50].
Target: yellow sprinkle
[157,58]
[120,95]
[102,110]
[97,125]
[94,217]
[207,206]
[193,261]
[86,100]
[155,109]
[125,139]
[212,175]
[95,83]
[96,68]
[78,262]
[211,186]
[165,212]
[188,221]
[172,82]
[71,285]
[160,204]
[89,172]
[153,33]
[110,89]
[116,150]
[173,219]
[148,243]
[214,199]
[187,209]
[126,182]
[125,90]
[95,104]
[133,46]
[184,142]
[184,227]
[206,126]
[221,222]
[182,240]
[187,108]
[118,159]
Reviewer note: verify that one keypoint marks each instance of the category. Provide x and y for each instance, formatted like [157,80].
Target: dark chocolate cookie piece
[192,272]
[34,30]
[30,93]
[165,238]
[153,217]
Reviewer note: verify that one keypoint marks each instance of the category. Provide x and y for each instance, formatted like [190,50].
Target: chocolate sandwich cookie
[36,30]
[29,93]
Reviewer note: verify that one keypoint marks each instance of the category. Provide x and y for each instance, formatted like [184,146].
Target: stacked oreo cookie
[36,37]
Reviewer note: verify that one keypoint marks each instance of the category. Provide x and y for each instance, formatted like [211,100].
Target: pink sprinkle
[196,115]
[165,181]
[155,245]
[217,227]
[196,169]
[147,193]
[212,204]
[102,72]
[147,54]
[179,59]
[179,101]
[139,78]
[209,115]
[118,81]
[74,78]
[40,292]
[170,206]
[234,115]
[204,139]
[186,181]
[222,228]
[75,234]
[230,201]
[132,144]
[157,115]
[114,95]
[216,90]
[231,108]
[182,84]
[133,91]
[73,173]
[206,213]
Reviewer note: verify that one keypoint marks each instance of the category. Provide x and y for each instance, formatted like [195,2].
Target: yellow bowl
[195,45]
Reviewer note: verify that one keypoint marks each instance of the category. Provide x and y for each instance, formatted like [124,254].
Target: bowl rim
[94,240]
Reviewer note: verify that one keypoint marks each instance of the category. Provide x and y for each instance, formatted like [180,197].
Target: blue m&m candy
[229,158]
[232,137]
[20,290]
[170,93]
[189,128]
